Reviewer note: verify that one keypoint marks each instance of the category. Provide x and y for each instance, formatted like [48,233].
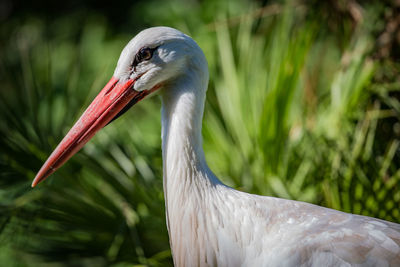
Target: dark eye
[145,53]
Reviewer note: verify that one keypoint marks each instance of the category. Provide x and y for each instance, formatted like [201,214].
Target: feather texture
[210,224]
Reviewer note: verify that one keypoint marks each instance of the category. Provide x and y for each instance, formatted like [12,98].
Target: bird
[209,223]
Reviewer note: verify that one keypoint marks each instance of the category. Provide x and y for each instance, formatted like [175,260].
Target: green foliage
[289,113]
[284,128]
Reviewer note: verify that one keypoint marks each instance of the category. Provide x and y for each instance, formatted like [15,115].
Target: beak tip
[35,182]
[43,173]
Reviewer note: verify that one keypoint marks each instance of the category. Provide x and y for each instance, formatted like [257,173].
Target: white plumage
[210,224]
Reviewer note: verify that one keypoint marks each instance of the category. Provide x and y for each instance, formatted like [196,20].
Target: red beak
[108,105]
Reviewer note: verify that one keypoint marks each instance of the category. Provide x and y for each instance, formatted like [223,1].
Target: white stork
[209,223]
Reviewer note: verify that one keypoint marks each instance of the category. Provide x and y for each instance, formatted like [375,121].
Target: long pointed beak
[104,108]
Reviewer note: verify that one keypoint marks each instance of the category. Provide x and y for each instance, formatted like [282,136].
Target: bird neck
[184,164]
[182,115]
[187,178]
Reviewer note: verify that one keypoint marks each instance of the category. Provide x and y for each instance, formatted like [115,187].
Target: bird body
[209,223]
[225,227]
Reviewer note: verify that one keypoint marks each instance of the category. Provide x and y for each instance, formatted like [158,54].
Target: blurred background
[303,103]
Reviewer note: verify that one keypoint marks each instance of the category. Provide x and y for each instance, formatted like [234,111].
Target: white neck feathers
[187,178]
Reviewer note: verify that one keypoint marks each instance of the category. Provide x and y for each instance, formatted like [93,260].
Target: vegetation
[303,103]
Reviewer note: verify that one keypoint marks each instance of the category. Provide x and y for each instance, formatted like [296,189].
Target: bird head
[151,61]
[156,55]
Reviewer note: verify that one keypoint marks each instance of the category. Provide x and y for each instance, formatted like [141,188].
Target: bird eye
[144,53]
